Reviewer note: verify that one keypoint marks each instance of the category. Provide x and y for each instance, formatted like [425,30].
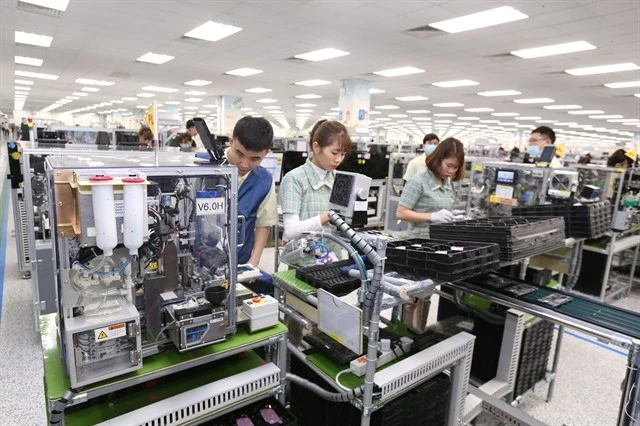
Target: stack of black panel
[329,277]
[442,260]
[591,220]
[534,356]
[518,237]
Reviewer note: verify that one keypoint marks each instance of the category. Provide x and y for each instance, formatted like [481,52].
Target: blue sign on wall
[361,114]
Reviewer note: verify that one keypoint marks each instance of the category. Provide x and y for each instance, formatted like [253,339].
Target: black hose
[56,416]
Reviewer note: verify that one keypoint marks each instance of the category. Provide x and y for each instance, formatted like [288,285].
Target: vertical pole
[282,365]
[556,361]
[607,268]
[633,269]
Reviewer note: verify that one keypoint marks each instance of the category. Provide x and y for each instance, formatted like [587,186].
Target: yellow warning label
[102,335]
[477,167]
[112,331]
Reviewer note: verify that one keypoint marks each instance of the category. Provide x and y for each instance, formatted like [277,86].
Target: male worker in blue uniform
[251,140]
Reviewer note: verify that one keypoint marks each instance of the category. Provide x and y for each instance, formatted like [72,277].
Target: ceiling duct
[40,10]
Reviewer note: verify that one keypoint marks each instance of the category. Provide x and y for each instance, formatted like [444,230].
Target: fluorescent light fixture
[155,58]
[586,112]
[545,121]
[197,83]
[116,101]
[374,91]
[92,82]
[308,96]
[448,105]
[418,111]
[73,98]
[528,118]
[80,94]
[17,92]
[554,49]
[190,107]
[398,115]
[272,107]
[456,83]
[422,118]
[302,110]
[195,93]
[90,89]
[412,98]
[244,72]
[500,93]
[534,101]
[60,5]
[375,112]
[25,82]
[22,88]
[505,114]
[172,103]
[623,84]
[602,69]
[442,121]
[561,107]
[145,95]
[25,60]
[266,101]
[397,72]
[568,123]
[35,75]
[212,31]
[311,83]
[306,105]
[129,98]
[468,118]
[386,107]
[444,115]
[142,106]
[605,117]
[487,18]
[322,54]
[637,95]
[258,90]
[479,109]
[33,39]
[338,109]
[489,121]
[193,100]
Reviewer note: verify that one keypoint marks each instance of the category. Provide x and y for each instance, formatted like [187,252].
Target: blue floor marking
[4,216]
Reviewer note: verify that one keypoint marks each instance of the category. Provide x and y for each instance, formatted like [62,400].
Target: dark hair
[430,137]
[325,132]
[185,138]
[448,148]
[586,159]
[190,124]
[145,134]
[547,132]
[501,149]
[619,156]
[253,133]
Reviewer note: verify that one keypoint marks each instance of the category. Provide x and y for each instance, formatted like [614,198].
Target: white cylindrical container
[135,213]
[104,213]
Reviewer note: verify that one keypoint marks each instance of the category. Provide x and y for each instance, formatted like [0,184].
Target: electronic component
[555,300]
[330,348]
[505,176]
[196,322]
[521,289]
[563,185]
[386,354]
[349,197]
[262,312]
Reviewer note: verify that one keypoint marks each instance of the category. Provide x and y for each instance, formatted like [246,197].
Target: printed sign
[111,332]
[211,206]
[361,114]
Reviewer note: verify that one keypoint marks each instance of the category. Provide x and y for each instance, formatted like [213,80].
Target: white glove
[442,216]
[459,212]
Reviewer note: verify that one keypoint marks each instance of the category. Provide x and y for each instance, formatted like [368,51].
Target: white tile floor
[587,390]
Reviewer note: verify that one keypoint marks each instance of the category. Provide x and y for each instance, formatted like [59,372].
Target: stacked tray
[329,278]
[591,220]
[441,260]
[518,237]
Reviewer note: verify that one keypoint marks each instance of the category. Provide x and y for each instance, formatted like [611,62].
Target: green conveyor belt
[590,311]
[288,279]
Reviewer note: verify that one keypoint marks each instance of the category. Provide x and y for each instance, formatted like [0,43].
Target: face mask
[184,146]
[428,149]
[533,150]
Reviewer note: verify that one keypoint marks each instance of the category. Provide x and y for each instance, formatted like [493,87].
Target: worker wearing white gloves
[427,197]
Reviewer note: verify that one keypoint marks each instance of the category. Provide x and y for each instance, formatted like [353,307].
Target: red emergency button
[255,299]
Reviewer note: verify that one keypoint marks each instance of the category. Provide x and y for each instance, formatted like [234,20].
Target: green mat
[288,280]
[108,407]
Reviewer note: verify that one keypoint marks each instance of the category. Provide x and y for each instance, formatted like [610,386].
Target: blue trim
[595,342]
[4,216]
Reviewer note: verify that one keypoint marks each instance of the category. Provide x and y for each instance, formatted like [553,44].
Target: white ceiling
[101,40]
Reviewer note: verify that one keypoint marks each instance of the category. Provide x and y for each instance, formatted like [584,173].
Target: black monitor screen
[291,160]
[126,138]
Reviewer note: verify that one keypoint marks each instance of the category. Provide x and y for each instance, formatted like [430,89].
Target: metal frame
[502,411]
[21,226]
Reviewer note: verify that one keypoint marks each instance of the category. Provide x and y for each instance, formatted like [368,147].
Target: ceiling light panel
[448,105]
[27,88]
[90,89]
[266,101]
[456,83]
[129,98]
[374,91]
[244,72]
[91,82]
[308,96]
[479,109]
[500,93]
[602,69]
[505,114]
[487,18]
[412,98]
[312,83]
[212,31]
[197,83]
[586,112]
[561,107]
[25,82]
[33,39]
[306,105]
[322,54]
[534,101]
[397,72]
[554,49]
[418,111]
[145,95]
[155,58]
[159,89]
[623,84]
[25,60]
[195,93]
[39,75]
[258,90]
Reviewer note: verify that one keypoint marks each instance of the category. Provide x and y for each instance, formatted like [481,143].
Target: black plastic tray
[329,278]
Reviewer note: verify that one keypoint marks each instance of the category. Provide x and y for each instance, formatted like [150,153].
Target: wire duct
[324,394]
[57,412]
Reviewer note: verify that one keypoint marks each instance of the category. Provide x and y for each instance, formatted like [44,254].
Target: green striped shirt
[424,194]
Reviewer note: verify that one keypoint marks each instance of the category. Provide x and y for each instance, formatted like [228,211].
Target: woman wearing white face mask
[418,164]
